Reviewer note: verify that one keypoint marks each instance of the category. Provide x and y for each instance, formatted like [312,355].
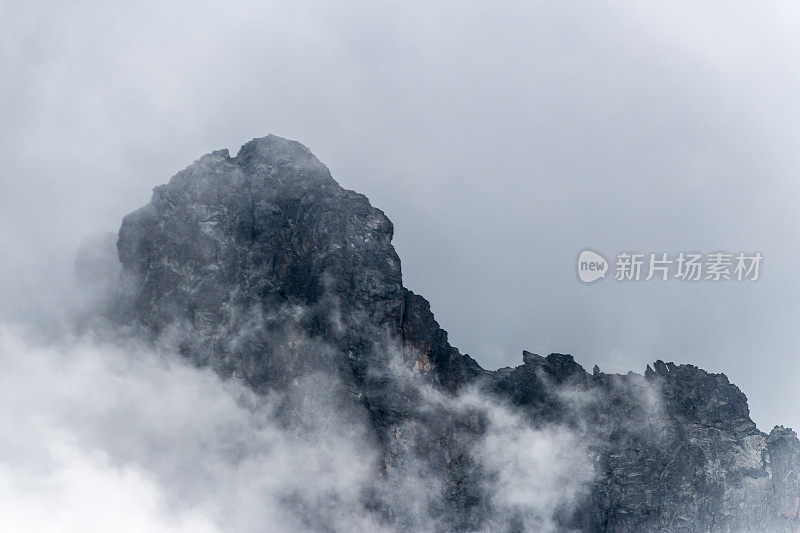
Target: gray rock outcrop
[264,268]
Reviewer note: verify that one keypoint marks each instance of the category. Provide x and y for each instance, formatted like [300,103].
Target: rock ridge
[263,267]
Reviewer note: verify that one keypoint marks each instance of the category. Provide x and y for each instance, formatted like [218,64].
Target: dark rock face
[426,344]
[675,449]
[265,243]
[263,267]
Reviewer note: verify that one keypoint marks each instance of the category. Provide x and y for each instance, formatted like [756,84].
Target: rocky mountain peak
[282,154]
[264,268]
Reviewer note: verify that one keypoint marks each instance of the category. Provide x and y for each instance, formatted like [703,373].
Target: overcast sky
[501,141]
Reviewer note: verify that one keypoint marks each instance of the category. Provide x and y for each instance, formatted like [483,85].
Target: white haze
[100,435]
[501,140]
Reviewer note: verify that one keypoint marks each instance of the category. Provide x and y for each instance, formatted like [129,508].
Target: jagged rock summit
[263,267]
[266,236]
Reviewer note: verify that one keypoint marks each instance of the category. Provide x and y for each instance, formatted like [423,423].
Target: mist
[501,141]
[122,434]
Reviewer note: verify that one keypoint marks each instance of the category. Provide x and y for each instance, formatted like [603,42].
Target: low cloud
[102,433]
[86,424]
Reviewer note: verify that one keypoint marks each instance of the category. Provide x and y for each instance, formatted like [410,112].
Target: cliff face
[675,449]
[263,267]
[257,246]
